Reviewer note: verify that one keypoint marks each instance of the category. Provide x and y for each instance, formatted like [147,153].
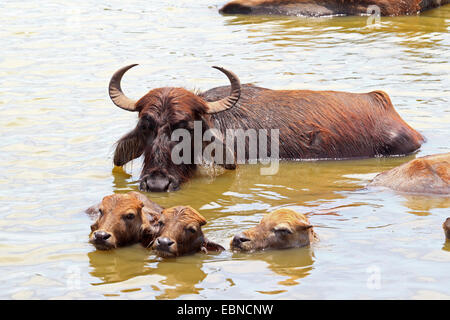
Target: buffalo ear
[151,215]
[208,246]
[149,205]
[129,147]
[148,234]
[94,211]
[94,227]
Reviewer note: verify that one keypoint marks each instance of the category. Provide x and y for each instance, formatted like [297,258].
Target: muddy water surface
[58,126]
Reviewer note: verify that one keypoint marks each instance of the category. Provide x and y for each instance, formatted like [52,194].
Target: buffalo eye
[282,231]
[161,224]
[182,125]
[147,123]
[100,211]
[191,229]
[129,216]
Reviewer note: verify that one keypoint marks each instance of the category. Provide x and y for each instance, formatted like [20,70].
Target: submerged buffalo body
[318,8]
[310,124]
[425,175]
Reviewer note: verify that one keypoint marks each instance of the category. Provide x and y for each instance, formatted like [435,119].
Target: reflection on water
[118,265]
[174,277]
[421,205]
[182,276]
[58,127]
[446,246]
[293,264]
[433,21]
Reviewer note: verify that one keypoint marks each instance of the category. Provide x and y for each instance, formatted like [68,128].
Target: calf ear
[94,211]
[94,227]
[149,205]
[148,234]
[209,246]
[129,147]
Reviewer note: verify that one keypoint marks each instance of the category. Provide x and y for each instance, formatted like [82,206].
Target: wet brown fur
[329,7]
[161,111]
[182,225]
[321,124]
[149,223]
[280,229]
[312,125]
[112,215]
[430,174]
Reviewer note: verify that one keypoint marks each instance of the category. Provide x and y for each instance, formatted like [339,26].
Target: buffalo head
[162,111]
[124,219]
[180,233]
[280,229]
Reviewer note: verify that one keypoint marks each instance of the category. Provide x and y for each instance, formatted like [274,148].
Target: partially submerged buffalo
[280,229]
[446,227]
[317,8]
[126,219]
[311,125]
[425,175]
[181,233]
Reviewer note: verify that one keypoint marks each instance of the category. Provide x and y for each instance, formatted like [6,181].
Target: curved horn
[230,101]
[115,91]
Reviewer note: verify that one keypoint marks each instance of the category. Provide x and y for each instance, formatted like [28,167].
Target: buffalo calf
[426,175]
[180,233]
[280,229]
[124,219]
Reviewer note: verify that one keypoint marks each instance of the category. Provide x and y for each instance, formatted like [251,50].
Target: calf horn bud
[115,90]
[232,99]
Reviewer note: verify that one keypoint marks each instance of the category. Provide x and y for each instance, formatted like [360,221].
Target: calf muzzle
[238,240]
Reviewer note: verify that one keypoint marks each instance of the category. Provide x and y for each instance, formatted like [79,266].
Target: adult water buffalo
[311,125]
[425,175]
[280,229]
[318,8]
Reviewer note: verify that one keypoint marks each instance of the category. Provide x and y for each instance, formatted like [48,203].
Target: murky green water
[58,127]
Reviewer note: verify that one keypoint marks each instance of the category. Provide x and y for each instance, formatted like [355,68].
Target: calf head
[124,219]
[280,229]
[161,112]
[446,226]
[180,233]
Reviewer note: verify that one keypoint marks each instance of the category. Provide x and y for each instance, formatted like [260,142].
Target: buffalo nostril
[240,238]
[143,185]
[155,182]
[101,235]
[173,186]
[164,243]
